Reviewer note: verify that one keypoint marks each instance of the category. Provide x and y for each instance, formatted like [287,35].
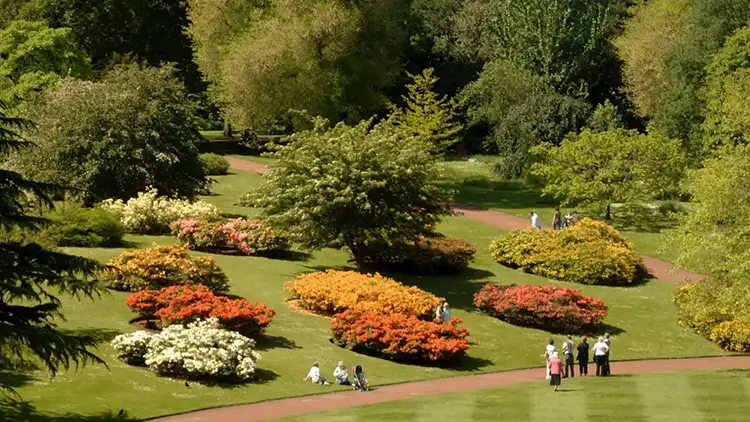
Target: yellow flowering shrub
[590,252]
[732,335]
[332,292]
[162,266]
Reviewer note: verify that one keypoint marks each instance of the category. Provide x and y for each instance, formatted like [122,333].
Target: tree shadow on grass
[100,335]
[21,411]
[275,342]
[497,193]
[288,255]
[15,379]
[458,289]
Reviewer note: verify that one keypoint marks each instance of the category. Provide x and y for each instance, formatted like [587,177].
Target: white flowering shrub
[150,214]
[197,350]
[132,347]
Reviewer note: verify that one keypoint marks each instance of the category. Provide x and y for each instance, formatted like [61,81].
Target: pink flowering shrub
[246,237]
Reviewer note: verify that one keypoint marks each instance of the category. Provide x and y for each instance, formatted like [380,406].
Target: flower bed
[332,292]
[151,214]
[427,255]
[183,304]
[162,266]
[589,252]
[548,307]
[196,351]
[399,337]
[236,236]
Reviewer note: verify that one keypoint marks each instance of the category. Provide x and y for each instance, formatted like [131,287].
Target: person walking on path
[600,356]
[557,222]
[567,349]
[549,351]
[583,357]
[606,357]
[555,368]
[535,222]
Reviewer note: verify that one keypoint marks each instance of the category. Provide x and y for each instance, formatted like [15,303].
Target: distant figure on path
[557,222]
[609,348]
[555,367]
[549,351]
[314,375]
[568,356]
[600,357]
[583,357]
[341,375]
[442,313]
[535,222]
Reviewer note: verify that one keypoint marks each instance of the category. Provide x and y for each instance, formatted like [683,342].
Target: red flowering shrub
[183,304]
[549,307]
[399,337]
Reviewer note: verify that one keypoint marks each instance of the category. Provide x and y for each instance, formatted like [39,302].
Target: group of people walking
[340,375]
[559,221]
[562,368]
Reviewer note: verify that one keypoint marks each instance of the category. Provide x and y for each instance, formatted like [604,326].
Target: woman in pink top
[555,369]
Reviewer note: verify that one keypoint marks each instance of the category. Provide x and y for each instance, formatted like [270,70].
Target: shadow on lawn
[21,411]
[267,342]
[489,193]
[15,379]
[458,289]
[100,335]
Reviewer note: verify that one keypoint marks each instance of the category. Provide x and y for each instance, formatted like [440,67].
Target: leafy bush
[238,235]
[214,164]
[332,292]
[74,225]
[427,255]
[162,266]
[183,304]
[541,306]
[589,252]
[399,337]
[196,351]
[151,214]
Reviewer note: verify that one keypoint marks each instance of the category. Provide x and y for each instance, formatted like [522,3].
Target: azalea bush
[162,266]
[150,213]
[435,254]
[590,252]
[332,292]
[542,306]
[197,351]
[183,304]
[239,235]
[399,337]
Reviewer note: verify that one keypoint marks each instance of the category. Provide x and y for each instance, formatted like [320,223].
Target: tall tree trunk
[358,255]
[227,129]
[608,214]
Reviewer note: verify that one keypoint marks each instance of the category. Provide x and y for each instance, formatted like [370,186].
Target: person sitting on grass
[555,369]
[314,375]
[341,375]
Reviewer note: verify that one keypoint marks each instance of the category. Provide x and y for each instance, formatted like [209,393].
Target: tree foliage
[616,166]
[31,277]
[115,138]
[351,186]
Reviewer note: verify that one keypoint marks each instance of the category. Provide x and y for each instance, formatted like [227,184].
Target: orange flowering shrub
[435,254]
[184,304]
[541,306]
[399,337]
[590,252]
[331,292]
[162,266]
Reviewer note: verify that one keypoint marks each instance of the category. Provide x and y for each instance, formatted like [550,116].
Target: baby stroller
[360,380]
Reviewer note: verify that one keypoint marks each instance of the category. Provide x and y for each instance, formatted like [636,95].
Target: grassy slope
[642,319]
[678,397]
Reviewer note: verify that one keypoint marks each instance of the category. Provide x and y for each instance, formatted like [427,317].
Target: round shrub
[236,236]
[73,225]
[162,266]
[732,335]
[150,213]
[214,164]
[332,292]
[399,337]
[183,304]
[196,351]
[548,307]
[590,252]
[435,254]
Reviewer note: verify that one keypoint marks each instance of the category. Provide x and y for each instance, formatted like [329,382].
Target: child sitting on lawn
[314,375]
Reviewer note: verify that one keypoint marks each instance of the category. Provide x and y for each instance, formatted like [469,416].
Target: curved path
[307,404]
[658,268]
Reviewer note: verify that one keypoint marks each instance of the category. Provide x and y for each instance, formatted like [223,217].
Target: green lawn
[668,397]
[641,318]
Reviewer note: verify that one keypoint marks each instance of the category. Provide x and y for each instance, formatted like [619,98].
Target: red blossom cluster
[183,304]
[398,336]
[542,306]
[243,236]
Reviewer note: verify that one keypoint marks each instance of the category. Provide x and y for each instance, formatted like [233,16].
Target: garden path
[658,268]
[321,402]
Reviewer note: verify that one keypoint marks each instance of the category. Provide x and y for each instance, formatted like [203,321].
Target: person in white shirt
[600,356]
[535,222]
[549,351]
[568,356]
[314,375]
[446,312]
[341,375]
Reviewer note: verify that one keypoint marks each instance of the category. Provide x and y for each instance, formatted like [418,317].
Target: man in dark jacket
[583,357]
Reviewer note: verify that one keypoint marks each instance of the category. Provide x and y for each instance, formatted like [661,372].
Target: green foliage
[214,164]
[604,118]
[33,57]
[73,225]
[427,115]
[115,138]
[590,252]
[616,166]
[433,254]
[351,186]
[31,277]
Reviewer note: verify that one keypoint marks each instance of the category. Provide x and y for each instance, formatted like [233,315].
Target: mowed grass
[641,319]
[660,397]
